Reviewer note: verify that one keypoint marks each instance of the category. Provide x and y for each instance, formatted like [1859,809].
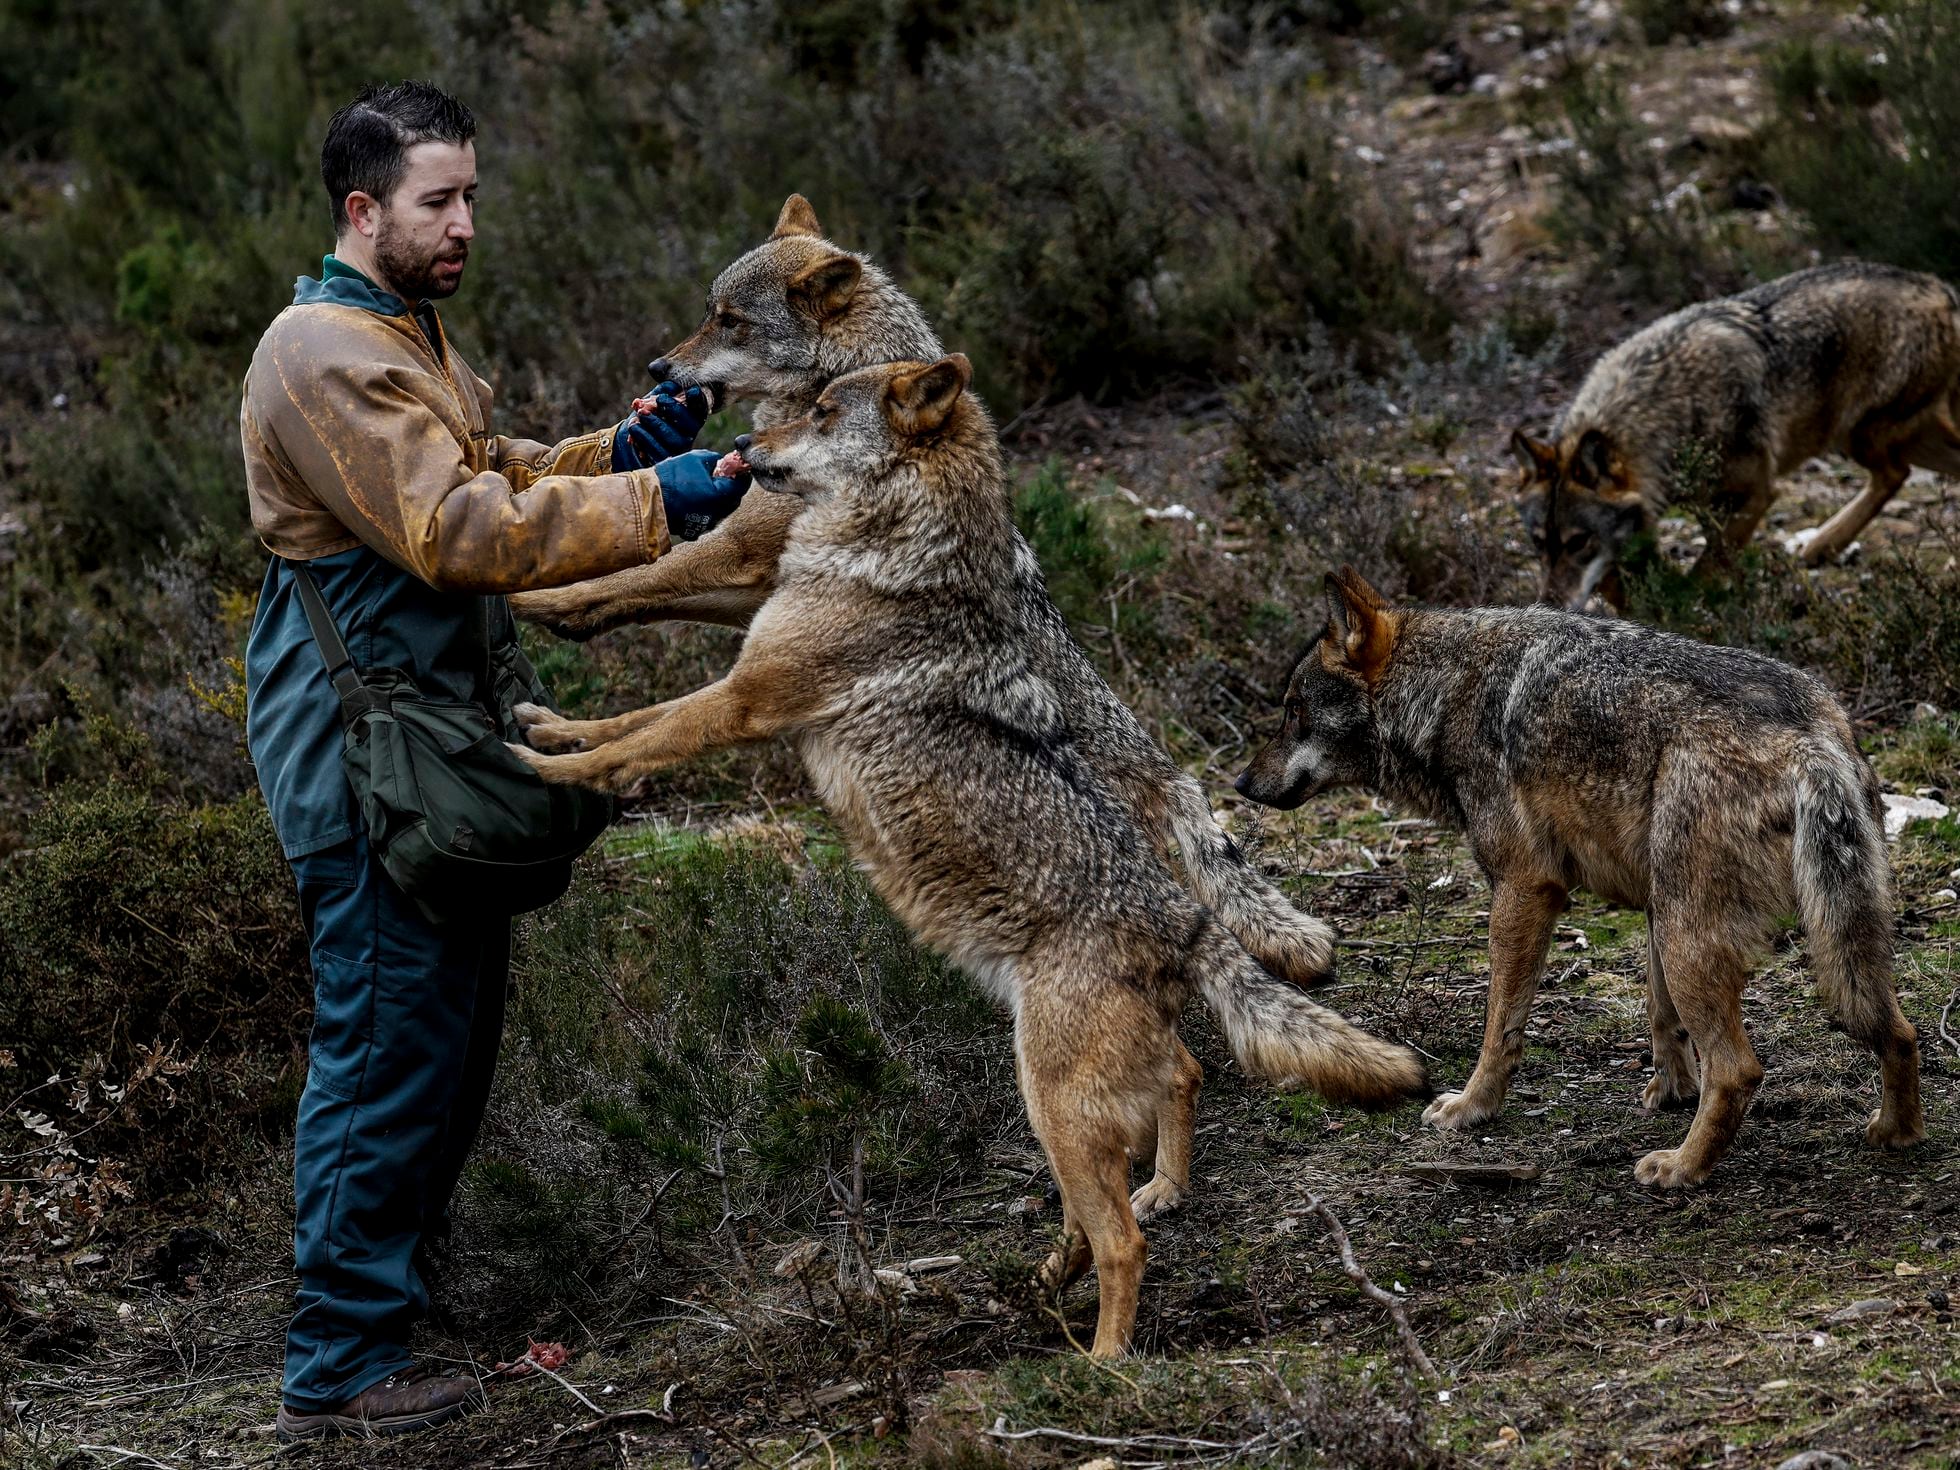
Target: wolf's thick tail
[1844,891]
[1280,1035]
[1290,944]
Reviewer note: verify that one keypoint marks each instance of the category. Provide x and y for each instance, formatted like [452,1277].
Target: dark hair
[368,139]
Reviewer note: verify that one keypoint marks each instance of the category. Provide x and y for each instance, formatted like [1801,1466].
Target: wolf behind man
[899,655]
[1714,788]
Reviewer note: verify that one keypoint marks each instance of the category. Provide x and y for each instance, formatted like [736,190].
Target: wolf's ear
[826,288]
[797,218]
[1360,622]
[1592,461]
[1537,457]
[922,397]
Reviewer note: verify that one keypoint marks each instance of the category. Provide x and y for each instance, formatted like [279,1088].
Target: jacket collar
[340,284]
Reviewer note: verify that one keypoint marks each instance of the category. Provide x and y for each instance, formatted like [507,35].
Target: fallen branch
[1387,1300]
[1946,1035]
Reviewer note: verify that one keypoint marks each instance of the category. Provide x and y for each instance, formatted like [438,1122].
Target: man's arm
[370,439]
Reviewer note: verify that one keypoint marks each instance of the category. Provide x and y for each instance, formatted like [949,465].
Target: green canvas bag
[460,824]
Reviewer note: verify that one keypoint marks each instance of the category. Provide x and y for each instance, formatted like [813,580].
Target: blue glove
[669,428]
[694,498]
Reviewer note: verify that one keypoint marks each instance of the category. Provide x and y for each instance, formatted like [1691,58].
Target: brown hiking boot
[415,1398]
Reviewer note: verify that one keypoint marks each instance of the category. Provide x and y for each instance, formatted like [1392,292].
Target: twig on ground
[1945,1010]
[123,1455]
[530,1359]
[1391,1303]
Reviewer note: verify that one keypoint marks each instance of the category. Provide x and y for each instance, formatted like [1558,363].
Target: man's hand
[696,498]
[664,424]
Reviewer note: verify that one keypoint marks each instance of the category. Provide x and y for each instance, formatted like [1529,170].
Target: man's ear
[826,288]
[797,218]
[923,396]
[1592,461]
[1536,456]
[1360,622]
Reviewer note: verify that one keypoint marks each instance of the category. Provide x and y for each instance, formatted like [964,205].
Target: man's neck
[356,253]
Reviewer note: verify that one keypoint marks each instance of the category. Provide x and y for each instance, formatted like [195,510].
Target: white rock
[1900,810]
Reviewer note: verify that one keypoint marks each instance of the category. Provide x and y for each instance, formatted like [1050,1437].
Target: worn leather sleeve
[379,443]
[523,461]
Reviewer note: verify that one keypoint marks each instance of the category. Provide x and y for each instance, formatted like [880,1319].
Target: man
[369,458]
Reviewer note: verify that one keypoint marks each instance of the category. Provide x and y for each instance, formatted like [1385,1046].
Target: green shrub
[703,1035]
[1867,137]
[1660,21]
[1614,204]
[154,965]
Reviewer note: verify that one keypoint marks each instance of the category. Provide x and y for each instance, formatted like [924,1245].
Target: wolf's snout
[743,441]
[1244,782]
[661,368]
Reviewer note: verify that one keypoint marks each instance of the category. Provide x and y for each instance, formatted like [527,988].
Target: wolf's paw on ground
[1457,1110]
[1663,1169]
[1064,1265]
[1159,1197]
[1889,1133]
[1667,1089]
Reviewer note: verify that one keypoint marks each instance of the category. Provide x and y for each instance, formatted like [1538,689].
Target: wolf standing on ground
[898,654]
[1857,358]
[1716,789]
[782,322]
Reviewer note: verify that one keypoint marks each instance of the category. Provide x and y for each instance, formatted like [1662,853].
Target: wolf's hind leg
[1094,1063]
[1170,1185]
[1673,1084]
[1705,972]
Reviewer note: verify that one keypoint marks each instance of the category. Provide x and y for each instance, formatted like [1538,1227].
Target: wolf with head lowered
[1852,357]
[782,322]
[1714,788]
[909,653]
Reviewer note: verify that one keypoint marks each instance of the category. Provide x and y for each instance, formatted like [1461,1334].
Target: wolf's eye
[1574,542]
[727,320]
[821,413]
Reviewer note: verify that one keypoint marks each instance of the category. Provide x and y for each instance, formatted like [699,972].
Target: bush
[709,1037]
[154,1011]
[1867,141]
[1615,206]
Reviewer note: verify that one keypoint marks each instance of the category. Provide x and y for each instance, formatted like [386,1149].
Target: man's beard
[412,275]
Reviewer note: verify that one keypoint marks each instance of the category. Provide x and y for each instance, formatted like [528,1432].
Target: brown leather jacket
[356,429]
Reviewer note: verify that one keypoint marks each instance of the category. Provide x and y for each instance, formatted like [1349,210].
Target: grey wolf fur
[1714,788]
[904,655]
[784,321]
[1855,358]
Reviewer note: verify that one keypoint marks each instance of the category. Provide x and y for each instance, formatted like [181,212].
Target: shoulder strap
[333,652]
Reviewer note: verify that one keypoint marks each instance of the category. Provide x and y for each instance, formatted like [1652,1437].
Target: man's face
[422,233]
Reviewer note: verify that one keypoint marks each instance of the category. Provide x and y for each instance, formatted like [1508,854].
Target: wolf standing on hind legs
[782,322]
[1714,788]
[898,656]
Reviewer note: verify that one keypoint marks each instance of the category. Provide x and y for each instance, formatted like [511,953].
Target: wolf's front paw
[1457,1110]
[1663,1169]
[1892,1133]
[1158,1197]
[546,729]
[557,613]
